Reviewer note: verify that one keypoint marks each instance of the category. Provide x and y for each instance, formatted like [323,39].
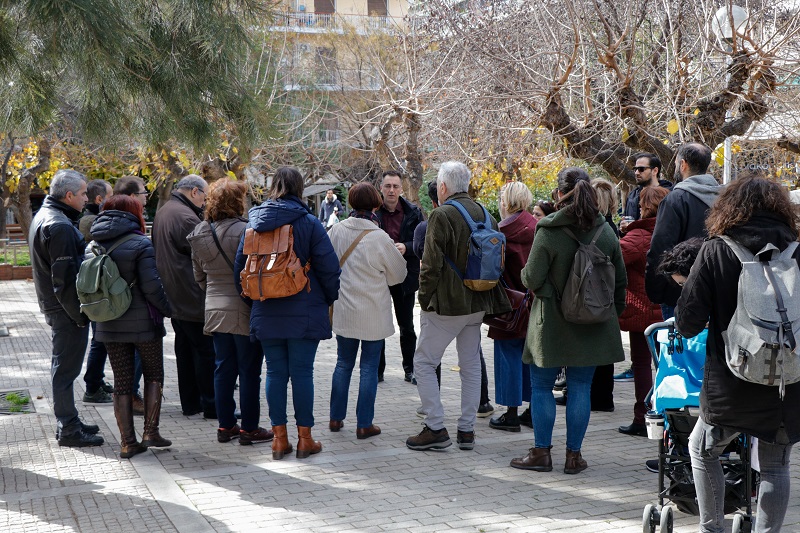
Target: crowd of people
[353,275]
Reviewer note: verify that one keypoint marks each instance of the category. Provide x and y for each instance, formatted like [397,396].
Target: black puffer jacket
[136,260]
[711,291]
[56,248]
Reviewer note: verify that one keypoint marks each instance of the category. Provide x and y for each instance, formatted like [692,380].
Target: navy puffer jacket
[303,315]
[136,260]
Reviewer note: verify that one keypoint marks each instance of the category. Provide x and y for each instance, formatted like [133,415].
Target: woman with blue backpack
[748,264]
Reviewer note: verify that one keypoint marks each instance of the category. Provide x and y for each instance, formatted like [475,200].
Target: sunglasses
[641,169]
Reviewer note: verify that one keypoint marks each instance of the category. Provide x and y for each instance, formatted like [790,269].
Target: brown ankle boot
[280,442]
[306,445]
[123,411]
[574,463]
[537,459]
[152,415]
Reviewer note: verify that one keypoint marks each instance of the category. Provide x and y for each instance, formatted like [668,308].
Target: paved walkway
[376,485]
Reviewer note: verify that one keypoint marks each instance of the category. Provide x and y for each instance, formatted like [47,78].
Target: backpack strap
[219,246]
[743,254]
[473,226]
[353,247]
[114,246]
[786,324]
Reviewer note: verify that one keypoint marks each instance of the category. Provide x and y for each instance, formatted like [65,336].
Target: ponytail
[578,197]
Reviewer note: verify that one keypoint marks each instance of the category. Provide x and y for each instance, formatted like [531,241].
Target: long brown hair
[121,202]
[578,197]
[742,198]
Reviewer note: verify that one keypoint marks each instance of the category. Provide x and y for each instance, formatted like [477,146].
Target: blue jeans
[512,380]
[290,359]
[706,443]
[236,357]
[579,384]
[69,347]
[95,363]
[368,386]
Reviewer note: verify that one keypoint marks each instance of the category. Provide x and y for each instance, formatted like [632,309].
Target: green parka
[440,289]
[551,340]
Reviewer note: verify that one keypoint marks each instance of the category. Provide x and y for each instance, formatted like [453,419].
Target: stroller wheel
[650,518]
[741,524]
[666,520]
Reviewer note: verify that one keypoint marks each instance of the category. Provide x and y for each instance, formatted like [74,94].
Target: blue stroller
[675,397]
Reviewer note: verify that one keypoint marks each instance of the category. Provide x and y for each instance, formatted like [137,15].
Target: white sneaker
[421,412]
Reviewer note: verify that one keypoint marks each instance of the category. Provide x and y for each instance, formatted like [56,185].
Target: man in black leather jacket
[57,248]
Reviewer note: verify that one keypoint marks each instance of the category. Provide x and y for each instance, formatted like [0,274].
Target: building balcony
[305,22]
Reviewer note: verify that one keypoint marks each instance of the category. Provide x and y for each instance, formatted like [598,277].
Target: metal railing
[300,20]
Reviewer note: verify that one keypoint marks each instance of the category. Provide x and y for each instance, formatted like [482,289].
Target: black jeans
[603,388]
[194,352]
[69,347]
[95,363]
[404,313]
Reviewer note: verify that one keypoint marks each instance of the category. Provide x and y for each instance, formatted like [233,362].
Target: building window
[377,8]
[324,6]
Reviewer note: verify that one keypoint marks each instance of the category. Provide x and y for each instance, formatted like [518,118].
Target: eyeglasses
[143,192]
[641,169]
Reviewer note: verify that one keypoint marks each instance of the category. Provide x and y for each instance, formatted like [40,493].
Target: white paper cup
[655,425]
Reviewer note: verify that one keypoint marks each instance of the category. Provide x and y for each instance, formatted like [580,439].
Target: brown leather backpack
[272,269]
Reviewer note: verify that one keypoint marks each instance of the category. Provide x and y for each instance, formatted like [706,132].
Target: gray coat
[226,312]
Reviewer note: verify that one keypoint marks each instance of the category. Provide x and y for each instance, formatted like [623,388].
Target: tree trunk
[20,201]
[413,174]
[3,190]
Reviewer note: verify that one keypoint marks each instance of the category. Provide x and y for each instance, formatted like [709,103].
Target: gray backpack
[760,344]
[588,296]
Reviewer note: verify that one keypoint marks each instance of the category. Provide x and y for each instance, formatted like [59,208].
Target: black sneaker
[429,439]
[98,396]
[465,439]
[505,422]
[80,439]
[108,387]
[485,409]
[652,465]
[525,418]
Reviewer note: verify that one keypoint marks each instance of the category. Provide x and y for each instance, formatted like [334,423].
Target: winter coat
[56,249]
[226,312]
[709,295]
[412,216]
[90,213]
[632,208]
[551,340]
[326,209]
[681,216]
[364,308]
[519,231]
[639,312]
[303,315]
[440,289]
[136,261]
[172,224]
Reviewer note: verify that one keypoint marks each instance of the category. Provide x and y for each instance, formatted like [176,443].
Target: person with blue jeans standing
[291,327]
[214,242]
[370,264]
[754,212]
[553,342]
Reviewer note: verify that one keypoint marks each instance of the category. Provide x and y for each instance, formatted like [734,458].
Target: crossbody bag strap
[353,247]
[219,246]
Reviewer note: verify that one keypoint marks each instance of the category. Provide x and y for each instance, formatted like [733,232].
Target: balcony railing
[301,20]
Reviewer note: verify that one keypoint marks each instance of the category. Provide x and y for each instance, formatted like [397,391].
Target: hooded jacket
[56,248]
[519,231]
[639,312]
[136,261]
[303,315]
[709,295]
[171,226]
[681,216]
[226,312]
[551,340]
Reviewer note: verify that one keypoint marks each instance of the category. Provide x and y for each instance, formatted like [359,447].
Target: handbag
[516,320]
[344,258]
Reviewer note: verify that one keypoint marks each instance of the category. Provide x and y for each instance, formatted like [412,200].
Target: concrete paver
[376,485]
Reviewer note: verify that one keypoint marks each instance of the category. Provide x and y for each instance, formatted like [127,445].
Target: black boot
[152,416]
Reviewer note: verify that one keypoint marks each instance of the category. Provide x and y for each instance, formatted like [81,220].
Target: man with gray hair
[450,310]
[56,249]
[194,351]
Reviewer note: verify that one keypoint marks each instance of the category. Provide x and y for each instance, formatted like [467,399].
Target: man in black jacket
[399,218]
[56,249]
[681,216]
[647,170]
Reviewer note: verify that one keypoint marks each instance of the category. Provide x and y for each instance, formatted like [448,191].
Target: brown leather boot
[280,442]
[306,445]
[537,459]
[152,415]
[123,411]
[574,463]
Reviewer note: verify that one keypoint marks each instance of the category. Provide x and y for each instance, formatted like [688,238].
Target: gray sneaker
[98,396]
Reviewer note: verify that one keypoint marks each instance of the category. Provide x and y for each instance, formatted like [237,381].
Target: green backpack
[103,293]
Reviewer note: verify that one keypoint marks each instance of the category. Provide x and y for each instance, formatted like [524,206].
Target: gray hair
[190,182]
[456,176]
[64,181]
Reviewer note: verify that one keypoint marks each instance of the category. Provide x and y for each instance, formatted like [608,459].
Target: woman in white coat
[370,263]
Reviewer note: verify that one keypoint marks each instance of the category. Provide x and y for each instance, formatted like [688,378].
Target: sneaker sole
[512,429]
[226,439]
[92,400]
[243,442]
[484,415]
[466,445]
[433,446]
